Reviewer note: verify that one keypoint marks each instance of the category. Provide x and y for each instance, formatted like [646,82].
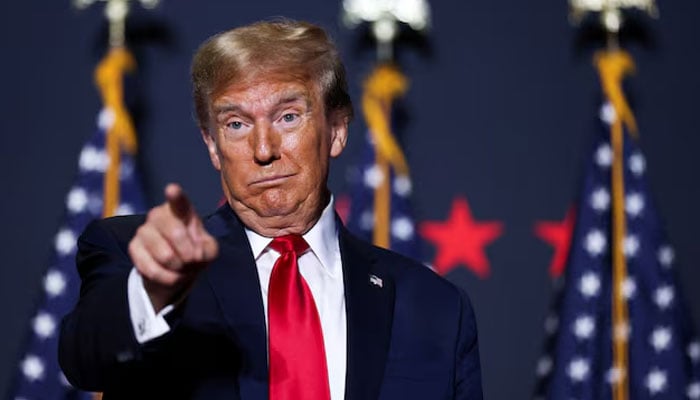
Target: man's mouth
[271,180]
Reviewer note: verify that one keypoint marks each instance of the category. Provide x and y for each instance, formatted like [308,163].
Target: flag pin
[375,280]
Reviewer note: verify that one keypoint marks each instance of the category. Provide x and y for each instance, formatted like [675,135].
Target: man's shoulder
[405,271]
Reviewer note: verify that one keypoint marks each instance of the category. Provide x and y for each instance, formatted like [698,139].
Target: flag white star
[44,325]
[367,220]
[373,176]
[693,390]
[33,368]
[105,119]
[637,164]
[622,331]
[629,288]
[124,209]
[402,228]
[604,155]
[660,338]
[630,246]
[607,113]
[595,242]
[54,283]
[551,324]
[65,241]
[634,204]
[656,381]
[613,375]
[93,160]
[600,199]
[544,366]
[402,185]
[584,327]
[589,284]
[578,369]
[77,200]
[694,351]
[663,296]
[665,256]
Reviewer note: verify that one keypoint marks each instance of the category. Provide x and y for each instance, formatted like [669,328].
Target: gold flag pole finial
[116,12]
[384,17]
[611,14]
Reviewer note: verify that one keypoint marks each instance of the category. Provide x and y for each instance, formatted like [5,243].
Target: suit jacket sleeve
[468,370]
[97,342]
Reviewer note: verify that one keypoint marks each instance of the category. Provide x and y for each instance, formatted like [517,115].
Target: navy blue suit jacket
[412,337]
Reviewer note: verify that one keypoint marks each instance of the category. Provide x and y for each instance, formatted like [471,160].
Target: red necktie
[297,356]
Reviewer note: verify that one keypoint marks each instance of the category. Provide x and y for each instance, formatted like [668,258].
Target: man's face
[272,140]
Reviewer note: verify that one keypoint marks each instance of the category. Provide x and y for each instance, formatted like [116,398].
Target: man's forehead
[269,88]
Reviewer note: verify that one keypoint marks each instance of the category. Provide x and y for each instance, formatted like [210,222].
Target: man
[270,296]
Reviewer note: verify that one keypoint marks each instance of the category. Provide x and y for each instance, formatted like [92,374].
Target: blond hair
[297,49]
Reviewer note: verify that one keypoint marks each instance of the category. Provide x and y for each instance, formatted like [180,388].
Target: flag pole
[109,77]
[382,87]
[613,66]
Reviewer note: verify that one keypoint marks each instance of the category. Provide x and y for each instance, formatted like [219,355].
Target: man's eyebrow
[226,108]
[292,97]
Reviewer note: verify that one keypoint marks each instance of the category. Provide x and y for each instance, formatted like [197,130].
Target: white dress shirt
[322,269]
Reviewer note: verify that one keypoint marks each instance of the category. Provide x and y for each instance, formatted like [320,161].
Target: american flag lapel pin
[375,280]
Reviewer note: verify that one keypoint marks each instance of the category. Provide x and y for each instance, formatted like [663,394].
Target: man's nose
[266,143]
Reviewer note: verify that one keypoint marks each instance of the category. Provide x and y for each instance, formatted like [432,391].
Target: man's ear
[212,149]
[339,132]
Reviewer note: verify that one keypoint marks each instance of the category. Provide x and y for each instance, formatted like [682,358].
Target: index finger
[178,202]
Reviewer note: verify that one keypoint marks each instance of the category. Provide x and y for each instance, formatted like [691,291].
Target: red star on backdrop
[558,234]
[461,240]
[342,207]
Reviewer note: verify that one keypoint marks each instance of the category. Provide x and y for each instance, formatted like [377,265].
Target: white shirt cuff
[147,324]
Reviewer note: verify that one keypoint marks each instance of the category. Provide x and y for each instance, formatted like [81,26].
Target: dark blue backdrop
[501,109]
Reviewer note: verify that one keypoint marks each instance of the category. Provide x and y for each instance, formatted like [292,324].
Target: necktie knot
[289,244]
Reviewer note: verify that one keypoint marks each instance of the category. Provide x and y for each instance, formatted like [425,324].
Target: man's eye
[289,117]
[235,125]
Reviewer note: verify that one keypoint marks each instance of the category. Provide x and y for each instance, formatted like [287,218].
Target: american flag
[38,375]
[663,353]
[367,177]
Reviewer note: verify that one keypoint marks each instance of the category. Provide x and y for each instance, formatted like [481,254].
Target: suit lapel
[234,279]
[369,296]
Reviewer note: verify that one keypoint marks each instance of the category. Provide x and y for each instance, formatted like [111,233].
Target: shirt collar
[322,239]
